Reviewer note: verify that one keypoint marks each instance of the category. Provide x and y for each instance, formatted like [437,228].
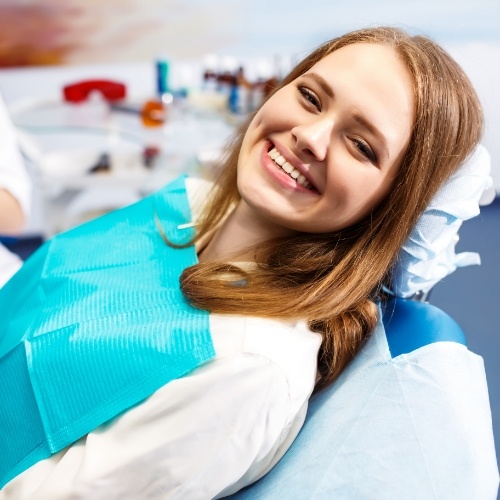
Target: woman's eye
[365,150]
[310,96]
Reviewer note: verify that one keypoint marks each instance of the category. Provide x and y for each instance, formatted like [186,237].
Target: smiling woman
[361,119]
[179,362]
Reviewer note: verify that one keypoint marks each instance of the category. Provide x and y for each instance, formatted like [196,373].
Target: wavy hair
[332,280]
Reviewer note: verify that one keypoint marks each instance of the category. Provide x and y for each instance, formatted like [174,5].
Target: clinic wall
[41,32]
[47,32]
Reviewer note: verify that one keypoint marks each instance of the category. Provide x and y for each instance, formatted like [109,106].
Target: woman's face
[324,150]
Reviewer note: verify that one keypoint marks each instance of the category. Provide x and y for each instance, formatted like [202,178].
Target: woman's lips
[291,168]
[287,167]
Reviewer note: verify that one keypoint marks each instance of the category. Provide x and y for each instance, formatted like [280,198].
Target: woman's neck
[238,234]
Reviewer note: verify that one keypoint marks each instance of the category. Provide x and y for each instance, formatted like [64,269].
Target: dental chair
[409,418]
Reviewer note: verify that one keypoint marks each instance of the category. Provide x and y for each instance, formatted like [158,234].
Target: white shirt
[203,436]
[15,179]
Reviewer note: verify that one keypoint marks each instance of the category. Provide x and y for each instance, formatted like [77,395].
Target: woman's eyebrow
[321,82]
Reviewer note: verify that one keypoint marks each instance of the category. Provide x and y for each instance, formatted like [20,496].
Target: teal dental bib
[93,324]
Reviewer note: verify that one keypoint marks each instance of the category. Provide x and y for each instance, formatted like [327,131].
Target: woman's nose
[314,138]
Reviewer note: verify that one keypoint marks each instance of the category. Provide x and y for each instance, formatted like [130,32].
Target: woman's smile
[290,175]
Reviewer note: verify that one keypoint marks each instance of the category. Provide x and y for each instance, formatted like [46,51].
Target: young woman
[129,387]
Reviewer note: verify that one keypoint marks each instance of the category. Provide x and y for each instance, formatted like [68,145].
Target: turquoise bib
[94,323]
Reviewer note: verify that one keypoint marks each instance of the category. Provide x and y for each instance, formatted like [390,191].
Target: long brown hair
[331,280]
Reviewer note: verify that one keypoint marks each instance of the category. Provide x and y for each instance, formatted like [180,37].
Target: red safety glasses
[79,92]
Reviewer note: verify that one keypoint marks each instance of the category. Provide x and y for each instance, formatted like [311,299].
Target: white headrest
[429,253]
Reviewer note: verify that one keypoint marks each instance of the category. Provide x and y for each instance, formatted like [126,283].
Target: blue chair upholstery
[384,428]
[422,323]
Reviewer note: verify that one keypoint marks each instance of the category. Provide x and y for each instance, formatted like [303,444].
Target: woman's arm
[15,183]
[12,216]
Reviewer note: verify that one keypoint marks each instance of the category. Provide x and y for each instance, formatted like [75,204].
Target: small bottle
[162,77]
[210,73]
[226,78]
[239,100]
[265,82]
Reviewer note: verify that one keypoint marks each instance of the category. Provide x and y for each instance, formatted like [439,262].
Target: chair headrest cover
[428,255]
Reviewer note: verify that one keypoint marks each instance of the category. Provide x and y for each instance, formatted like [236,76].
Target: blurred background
[48,44]
[76,32]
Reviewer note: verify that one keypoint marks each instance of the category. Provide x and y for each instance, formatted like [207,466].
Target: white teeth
[280,160]
[289,169]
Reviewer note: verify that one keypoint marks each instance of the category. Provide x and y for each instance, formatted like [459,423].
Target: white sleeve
[192,439]
[13,174]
